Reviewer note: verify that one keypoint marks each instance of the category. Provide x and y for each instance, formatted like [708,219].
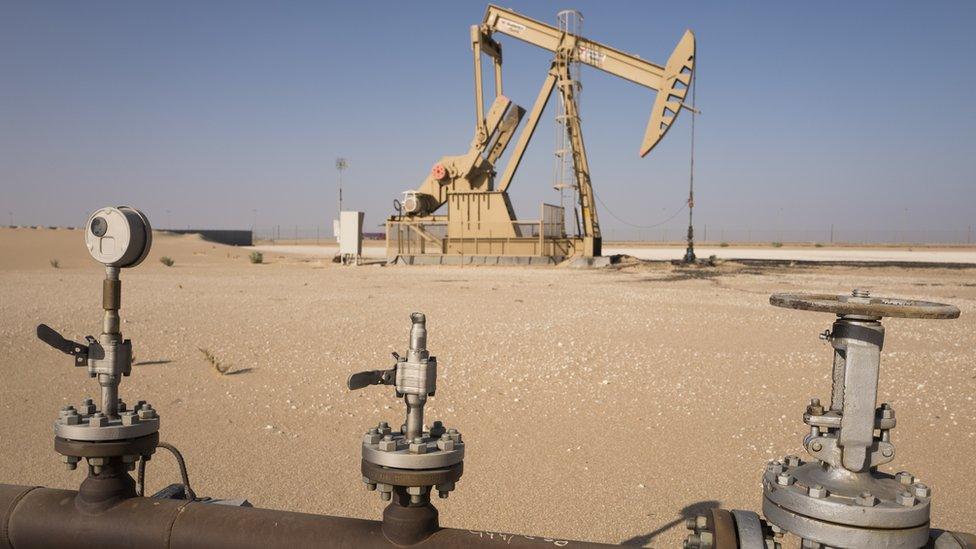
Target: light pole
[341,164]
[690,250]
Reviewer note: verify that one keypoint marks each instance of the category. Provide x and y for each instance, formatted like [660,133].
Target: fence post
[542,229]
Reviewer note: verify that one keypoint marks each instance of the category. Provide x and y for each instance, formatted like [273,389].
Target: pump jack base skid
[439,259]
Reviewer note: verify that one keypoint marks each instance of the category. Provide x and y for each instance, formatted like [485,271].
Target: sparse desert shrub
[712,260]
[167,260]
[817,245]
[256,257]
[777,244]
[724,245]
[55,263]
[219,366]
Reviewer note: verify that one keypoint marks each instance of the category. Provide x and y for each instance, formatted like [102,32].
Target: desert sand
[600,404]
[954,256]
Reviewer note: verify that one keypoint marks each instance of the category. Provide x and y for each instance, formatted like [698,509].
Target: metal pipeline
[46,517]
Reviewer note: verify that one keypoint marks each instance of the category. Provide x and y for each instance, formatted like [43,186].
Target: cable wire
[689,203]
[629,224]
[184,476]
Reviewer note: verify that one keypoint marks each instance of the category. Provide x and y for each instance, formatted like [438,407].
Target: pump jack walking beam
[671,82]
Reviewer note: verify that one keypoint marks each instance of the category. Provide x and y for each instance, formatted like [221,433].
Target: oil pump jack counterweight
[480,222]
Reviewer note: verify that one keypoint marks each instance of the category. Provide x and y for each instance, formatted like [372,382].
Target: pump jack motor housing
[480,224]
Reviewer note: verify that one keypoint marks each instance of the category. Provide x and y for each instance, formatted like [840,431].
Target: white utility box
[351,235]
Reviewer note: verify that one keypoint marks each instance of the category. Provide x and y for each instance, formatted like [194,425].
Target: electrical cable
[690,201]
[629,224]
[184,476]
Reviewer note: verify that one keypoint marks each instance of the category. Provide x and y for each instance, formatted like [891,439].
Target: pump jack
[480,224]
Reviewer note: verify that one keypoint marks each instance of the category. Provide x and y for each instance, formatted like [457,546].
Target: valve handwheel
[860,303]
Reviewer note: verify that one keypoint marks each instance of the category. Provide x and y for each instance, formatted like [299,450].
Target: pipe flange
[142,446]
[426,452]
[861,304]
[750,530]
[409,477]
[722,529]
[867,500]
[89,424]
[841,535]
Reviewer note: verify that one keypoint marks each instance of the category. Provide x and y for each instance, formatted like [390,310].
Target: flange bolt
[815,408]
[388,444]
[887,412]
[445,443]
[905,498]
[921,490]
[70,462]
[96,464]
[129,418]
[87,407]
[416,493]
[784,479]
[418,446]
[866,499]
[147,412]
[372,436]
[905,478]
[98,419]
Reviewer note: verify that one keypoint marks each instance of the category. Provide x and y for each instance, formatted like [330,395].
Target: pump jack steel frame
[480,220]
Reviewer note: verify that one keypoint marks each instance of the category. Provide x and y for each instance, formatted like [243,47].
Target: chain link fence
[673,234]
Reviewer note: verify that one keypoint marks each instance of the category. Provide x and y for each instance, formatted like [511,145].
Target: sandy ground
[599,405]
[665,253]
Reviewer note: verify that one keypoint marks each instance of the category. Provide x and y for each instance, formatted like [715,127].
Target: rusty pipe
[46,517]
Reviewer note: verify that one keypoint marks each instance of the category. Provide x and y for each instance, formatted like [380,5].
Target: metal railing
[517,238]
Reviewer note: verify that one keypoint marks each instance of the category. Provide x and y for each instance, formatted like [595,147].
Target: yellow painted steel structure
[480,215]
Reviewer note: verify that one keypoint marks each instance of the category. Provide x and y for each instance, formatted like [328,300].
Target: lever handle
[372,377]
[48,335]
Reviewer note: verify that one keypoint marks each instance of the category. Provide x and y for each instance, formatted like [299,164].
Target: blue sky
[859,114]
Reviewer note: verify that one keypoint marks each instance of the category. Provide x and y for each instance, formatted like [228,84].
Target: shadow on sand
[688,512]
[151,362]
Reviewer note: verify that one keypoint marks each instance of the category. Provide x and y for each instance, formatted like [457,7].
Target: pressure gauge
[118,237]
